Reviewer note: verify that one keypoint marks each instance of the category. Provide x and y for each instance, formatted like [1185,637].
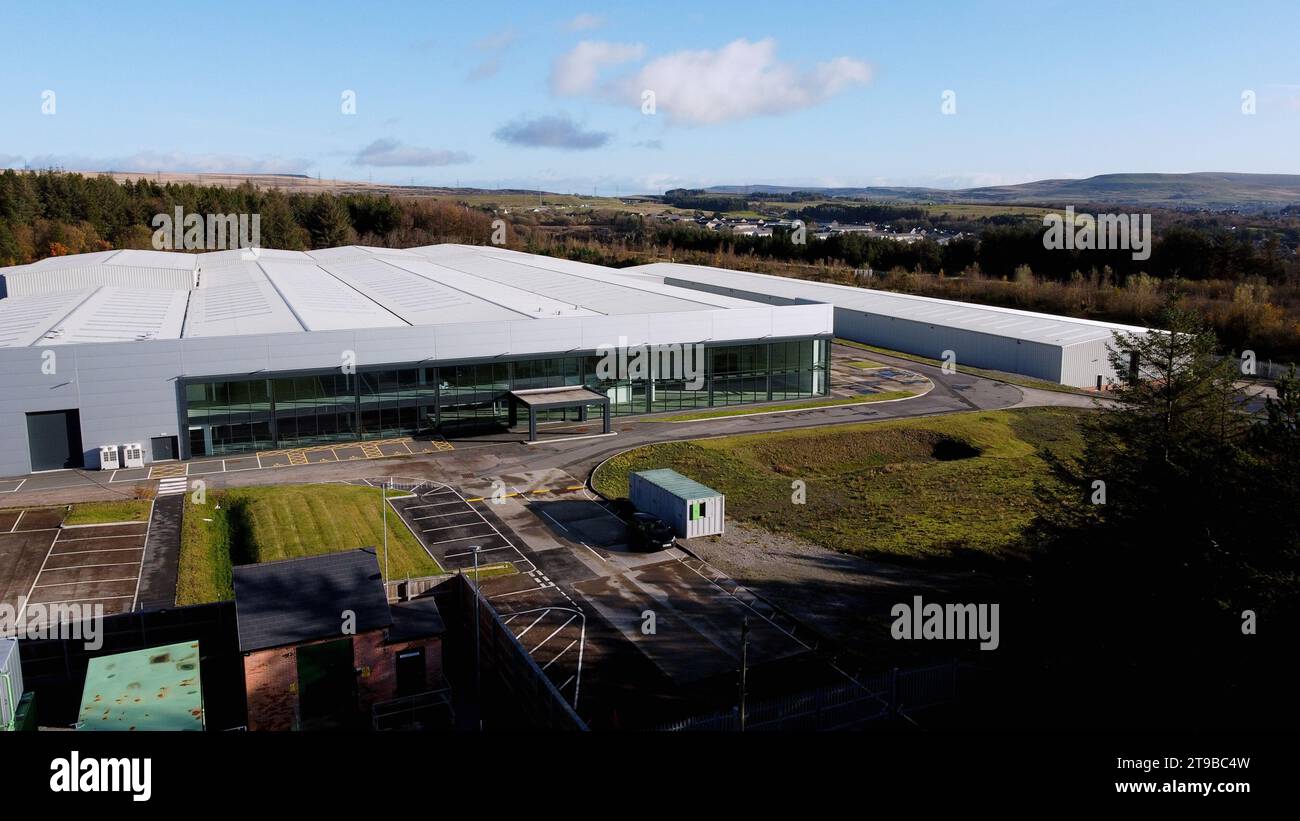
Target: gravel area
[844,597]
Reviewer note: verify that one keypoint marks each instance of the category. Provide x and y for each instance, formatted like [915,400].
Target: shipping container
[11,682]
[689,508]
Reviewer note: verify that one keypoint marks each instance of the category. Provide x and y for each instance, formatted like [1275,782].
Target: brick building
[322,646]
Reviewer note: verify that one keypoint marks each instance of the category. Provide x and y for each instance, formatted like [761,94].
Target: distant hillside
[1218,191]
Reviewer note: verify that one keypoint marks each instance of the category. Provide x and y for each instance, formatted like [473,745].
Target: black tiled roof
[416,619]
[297,600]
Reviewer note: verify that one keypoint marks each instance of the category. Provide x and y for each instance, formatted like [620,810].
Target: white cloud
[577,71]
[484,70]
[742,79]
[145,161]
[554,131]
[585,22]
[389,153]
[497,40]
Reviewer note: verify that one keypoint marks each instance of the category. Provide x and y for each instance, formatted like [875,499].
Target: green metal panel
[158,688]
[677,484]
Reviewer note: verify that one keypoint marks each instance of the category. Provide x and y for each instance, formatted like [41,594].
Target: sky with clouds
[579,97]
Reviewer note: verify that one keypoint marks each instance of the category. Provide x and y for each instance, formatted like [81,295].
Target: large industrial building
[228,352]
[1054,348]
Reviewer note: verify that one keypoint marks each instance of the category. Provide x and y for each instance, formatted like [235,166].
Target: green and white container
[11,682]
[690,508]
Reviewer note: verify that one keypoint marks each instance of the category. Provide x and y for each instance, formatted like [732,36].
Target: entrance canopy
[556,399]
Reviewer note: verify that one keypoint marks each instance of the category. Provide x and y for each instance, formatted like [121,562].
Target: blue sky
[548,95]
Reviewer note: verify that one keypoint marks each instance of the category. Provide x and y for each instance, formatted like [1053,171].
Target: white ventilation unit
[108,458]
[133,455]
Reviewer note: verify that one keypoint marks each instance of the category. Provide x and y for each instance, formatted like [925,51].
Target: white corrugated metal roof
[237,300]
[24,320]
[123,314]
[134,294]
[322,302]
[1008,322]
[419,300]
[580,284]
[155,259]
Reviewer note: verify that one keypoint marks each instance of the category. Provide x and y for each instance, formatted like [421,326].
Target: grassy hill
[1216,190]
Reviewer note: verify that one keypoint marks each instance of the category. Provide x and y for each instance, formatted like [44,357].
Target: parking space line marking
[548,638]
[420,518]
[557,655]
[540,616]
[517,592]
[139,574]
[522,559]
[468,538]
[93,538]
[31,589]
[94,598]
[105,550]
[81,581]
[471,552]
[14,529]
[450,527]
[84,566]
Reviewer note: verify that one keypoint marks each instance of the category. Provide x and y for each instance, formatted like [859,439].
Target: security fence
[897,693]
[515,693]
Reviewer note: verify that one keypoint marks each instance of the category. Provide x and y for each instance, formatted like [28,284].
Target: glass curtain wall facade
[239,416]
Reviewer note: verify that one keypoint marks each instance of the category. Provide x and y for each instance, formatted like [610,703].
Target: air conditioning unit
[133,455]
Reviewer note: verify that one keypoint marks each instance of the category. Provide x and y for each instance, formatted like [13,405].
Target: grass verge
[718,413]
[954,486]
[98,513]
[263,524]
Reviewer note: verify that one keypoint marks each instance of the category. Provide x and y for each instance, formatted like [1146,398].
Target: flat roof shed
[158,688]
[557,399]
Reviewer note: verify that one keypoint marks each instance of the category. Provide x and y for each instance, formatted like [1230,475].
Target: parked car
[651,532]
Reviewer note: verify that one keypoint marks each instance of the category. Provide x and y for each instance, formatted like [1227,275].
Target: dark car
[651,532]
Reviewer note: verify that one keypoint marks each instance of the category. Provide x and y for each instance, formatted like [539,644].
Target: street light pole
[383,502]
[744,667]
[478,629]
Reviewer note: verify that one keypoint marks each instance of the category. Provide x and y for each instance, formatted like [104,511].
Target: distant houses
[760,227]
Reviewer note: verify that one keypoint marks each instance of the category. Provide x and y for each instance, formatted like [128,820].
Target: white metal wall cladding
[1081,364]
[54,280]
[129,391]
[11,668]
[649,497]
[968,347]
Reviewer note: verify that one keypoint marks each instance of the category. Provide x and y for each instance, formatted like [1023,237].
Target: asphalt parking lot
[633,637]
[44,563]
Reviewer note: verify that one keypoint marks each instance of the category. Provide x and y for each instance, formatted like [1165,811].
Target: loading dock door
[164,448]
[54,439]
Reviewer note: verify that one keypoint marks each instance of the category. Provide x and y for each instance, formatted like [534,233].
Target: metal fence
[423,711]
[400,590]
[1266,370]
[516,694]
[56,667]
[842,706]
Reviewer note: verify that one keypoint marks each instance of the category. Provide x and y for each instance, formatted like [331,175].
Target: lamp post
[383,503]
[744,667]
[478,629]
